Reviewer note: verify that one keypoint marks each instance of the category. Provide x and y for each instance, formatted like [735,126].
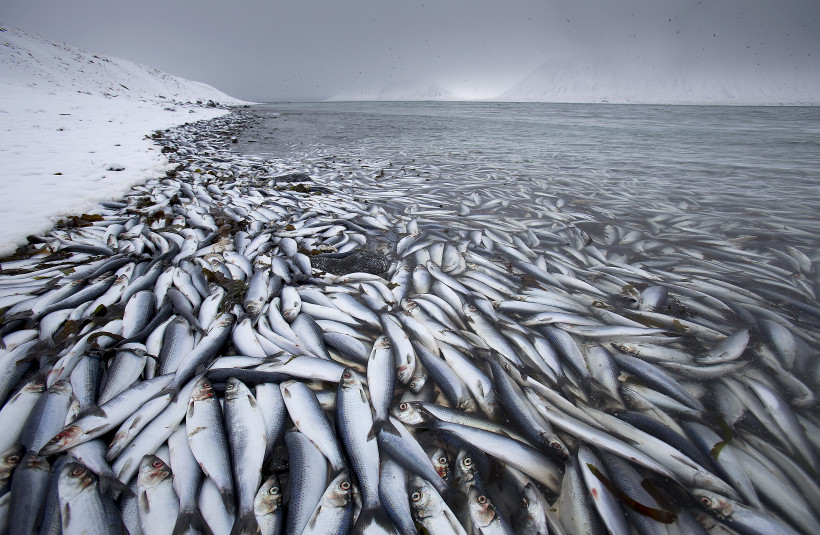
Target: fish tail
[228,500]
[191,520]
[374,516]
[245,524]
[92,410]
[113,487]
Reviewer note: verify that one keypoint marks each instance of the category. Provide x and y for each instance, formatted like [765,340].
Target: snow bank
[75,129]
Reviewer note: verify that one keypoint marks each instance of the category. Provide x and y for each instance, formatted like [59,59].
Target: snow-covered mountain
[409,91]
[608,80]
[30,61]
[75,129]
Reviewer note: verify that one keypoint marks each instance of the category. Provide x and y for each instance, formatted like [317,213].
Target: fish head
[422,502]
[469,310]
[382,342]
[481,510]
[558,448]
[350,379]
[441,462]
[152,471]
[203,390]
[9,461]
[408,413]
[718,505]
[234,389]
[269,497]
[532,502]
[409,306]
[74,479]
[623,347]
[465,469]
[340,491]
[404,373]
[62,440]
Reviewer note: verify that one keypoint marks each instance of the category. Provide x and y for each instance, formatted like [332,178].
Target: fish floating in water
[176,363]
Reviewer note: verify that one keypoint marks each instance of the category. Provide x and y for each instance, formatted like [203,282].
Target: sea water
[744,168]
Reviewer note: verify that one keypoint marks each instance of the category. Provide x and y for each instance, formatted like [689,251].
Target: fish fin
[273,358]
[143,501]
[376,516]
[92,410]
[386,426]
[113,487]
[245,524]
[428,421]
[607,401]
[173,390]
[228,500]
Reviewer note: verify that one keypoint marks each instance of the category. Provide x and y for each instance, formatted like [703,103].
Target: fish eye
[706,501]
[345,485]
[555,446]
[230,386]
[416,496]
[273,490]
[346,375]
[13,459]
[443,461]
[467,462]
[157,464]
[77,472]
[482,499]
[403,407]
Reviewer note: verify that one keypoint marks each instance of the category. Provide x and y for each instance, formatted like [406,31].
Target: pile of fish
[175,363]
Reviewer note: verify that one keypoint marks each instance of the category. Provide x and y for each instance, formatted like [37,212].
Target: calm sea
[744,167]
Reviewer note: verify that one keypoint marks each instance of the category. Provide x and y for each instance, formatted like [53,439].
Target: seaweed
[666,517]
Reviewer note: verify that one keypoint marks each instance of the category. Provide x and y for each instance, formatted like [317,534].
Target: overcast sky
[268,50]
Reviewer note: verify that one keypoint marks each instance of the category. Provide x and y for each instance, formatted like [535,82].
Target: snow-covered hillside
[75,127]
[409,91]
[608,80]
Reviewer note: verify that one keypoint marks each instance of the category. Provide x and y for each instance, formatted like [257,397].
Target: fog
[313,50]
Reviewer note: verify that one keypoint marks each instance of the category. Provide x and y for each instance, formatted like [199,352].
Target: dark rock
[356,262]
[211,104]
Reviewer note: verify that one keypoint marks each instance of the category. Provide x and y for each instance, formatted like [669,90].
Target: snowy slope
[68,118]
[607,80]
[31,61]
[409,91]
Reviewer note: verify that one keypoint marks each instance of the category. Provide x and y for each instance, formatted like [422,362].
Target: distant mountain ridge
[605,80]
[399,92]
[27,60]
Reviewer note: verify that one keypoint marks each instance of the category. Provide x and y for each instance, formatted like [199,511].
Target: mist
[313,50]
